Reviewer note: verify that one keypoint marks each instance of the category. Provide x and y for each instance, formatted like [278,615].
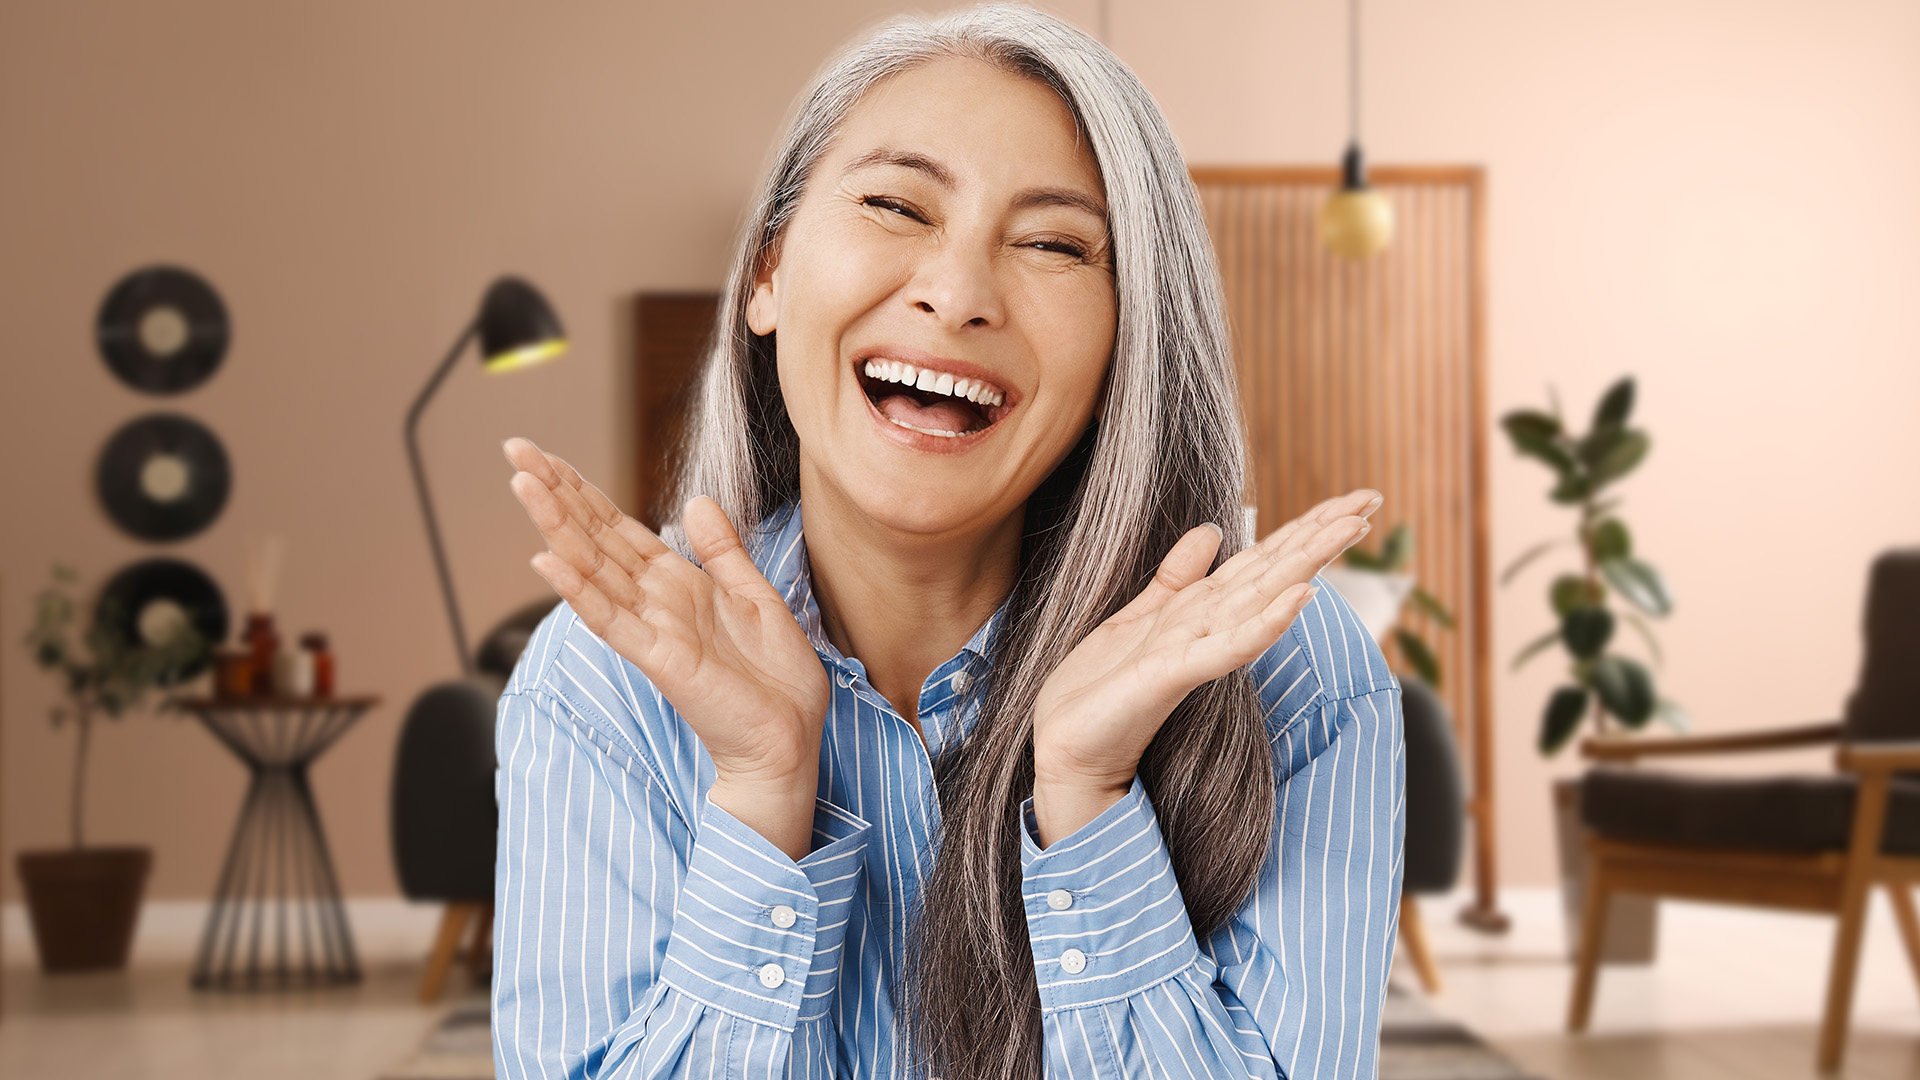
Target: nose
[956,285]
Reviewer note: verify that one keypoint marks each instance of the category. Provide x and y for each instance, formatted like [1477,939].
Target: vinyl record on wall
[163,477]
[162,330]
[145,602]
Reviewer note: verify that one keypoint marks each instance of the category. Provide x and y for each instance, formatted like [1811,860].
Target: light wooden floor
[1734,994]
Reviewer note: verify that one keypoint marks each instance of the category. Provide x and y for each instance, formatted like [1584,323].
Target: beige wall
[1718,197]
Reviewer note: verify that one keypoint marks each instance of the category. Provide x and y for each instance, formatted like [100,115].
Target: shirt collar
[782,558]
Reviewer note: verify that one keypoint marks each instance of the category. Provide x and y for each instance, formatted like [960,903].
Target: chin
[907,505]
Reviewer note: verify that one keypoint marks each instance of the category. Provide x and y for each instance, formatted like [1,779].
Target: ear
[762,303]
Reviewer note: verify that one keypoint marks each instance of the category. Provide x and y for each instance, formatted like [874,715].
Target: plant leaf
[1534,648]
[1362,560]
[1611,540]
[1639,583]
[1431,604]
[1673,715]
[1526,557]
[1417,654]
[1573,488]
[1646,634]
[1625,689]
[1397,548]
[1562,718]
[1531,422]
[1615,405]
[1621,458]
[1586,631]
[1571,591]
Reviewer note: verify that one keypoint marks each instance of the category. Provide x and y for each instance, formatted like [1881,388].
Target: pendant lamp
[1356,221]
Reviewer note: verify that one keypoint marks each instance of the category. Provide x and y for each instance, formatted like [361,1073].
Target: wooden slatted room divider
[1372,374]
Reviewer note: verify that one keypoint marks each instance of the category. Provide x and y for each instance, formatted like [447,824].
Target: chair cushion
[1771,813]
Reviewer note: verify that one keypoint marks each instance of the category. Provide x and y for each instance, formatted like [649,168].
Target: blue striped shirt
[642,931]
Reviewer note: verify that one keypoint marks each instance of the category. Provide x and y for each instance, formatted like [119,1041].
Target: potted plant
[83,901]
[1377,584]
[1607,691]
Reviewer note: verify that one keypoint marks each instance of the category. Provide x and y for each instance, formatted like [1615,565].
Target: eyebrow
[1031,197]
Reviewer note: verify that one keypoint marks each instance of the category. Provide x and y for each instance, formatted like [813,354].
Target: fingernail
[1375,504]
[1217,531]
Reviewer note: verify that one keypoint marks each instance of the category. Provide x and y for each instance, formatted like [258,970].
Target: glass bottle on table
[316,642]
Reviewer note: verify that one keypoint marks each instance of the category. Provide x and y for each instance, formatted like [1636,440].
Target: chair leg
[1593,927]
[445,944]
[1846,964]
[480,945]
[1909,924]
[1413,934]
[1869,816]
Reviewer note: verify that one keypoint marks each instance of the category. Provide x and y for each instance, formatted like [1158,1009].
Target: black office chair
[1436,817]
[445,817]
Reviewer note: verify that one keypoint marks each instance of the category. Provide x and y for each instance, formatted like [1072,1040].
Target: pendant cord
[1353,69]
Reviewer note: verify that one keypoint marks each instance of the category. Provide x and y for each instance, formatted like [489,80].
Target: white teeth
[940,382]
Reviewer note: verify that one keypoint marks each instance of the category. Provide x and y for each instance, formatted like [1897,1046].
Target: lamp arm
[426,501]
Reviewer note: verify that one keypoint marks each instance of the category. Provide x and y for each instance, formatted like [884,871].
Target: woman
[975,327]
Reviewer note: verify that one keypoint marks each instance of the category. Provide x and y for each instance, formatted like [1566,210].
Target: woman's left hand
[1102,706]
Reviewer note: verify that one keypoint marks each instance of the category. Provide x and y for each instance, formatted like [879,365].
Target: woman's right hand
[716,639]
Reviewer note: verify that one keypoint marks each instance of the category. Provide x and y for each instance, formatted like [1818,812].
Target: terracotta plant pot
[83,903]
[1632,919]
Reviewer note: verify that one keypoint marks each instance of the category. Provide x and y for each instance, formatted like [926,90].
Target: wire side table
[278,857]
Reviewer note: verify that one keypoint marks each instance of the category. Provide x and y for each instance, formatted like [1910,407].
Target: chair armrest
[1879,757]
[1774,739]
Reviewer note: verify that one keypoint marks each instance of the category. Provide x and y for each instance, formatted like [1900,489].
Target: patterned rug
[1416,1043]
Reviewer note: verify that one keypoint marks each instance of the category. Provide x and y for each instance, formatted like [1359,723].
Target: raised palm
[717,640]
[1098,710]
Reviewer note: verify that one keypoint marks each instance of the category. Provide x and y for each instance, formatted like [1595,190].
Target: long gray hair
[1166,453]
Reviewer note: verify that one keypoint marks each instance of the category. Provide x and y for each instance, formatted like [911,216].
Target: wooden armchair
[1801,842]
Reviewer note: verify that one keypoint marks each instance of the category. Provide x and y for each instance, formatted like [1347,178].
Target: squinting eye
[889,204]
[1062,246]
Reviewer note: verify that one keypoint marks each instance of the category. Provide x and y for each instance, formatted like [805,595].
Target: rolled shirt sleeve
[758,934]
[1292,984]
[631,943]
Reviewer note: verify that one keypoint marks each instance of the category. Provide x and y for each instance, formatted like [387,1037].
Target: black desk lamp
[517,329]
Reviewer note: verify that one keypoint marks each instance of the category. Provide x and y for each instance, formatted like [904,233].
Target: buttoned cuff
[757,934]
[1104,910]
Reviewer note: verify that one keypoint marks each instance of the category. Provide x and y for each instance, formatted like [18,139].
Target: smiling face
[957,225]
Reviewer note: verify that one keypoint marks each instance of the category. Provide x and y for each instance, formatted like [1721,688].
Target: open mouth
[929,412]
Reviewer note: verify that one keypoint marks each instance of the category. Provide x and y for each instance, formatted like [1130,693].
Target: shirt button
[960,681]
[771,975]
[783,916]
[1059,899]
[1073,962]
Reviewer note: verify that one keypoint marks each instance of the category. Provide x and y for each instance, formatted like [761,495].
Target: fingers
[587,504]
[1185,564]
[1361,501]
[722,555]
[611,621]
[567,540]
[1252,637]
[1253,561]
[1312,555]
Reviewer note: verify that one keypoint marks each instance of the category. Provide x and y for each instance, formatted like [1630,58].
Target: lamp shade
[1355,222]
[517,327]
